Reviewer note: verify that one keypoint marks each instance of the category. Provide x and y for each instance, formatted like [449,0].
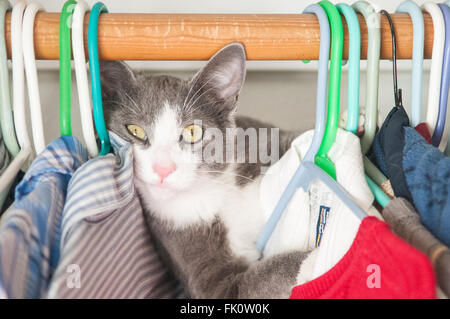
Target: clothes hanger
[354,53]
[373,65]
[6,114]
[437,138]
[397,92]
[436,63]
[65,69]
[374,175]
[20,123]
[353,86]
[337,35]
[31,75]
[87,123]
[308,170]
[95,78]
[416,15]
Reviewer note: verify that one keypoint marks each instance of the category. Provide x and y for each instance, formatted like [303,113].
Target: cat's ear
[224,74]
[116,78]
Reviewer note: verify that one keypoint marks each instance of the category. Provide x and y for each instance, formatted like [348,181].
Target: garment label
[321,222]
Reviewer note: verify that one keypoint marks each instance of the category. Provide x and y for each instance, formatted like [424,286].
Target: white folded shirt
[317,215]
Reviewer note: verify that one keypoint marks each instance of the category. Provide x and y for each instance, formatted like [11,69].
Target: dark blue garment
[387,151]
[417,170]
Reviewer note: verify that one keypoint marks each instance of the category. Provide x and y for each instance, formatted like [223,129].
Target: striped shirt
[106,246]
[4,161]
[30,229]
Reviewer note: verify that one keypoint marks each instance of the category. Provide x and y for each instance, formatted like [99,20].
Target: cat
[205,216]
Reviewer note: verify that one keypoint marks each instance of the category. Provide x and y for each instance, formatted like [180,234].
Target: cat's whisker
[229,185]
[193,103]
[193,85]
[190,89]
[199,106]
[226,173]
[196,92]
[131,100]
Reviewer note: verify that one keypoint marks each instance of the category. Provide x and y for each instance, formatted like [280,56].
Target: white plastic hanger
[18,98]
[31,75]
[308,170]
[436,63]
[87,123]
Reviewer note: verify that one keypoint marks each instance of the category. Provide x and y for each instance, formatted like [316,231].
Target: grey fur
[201,256]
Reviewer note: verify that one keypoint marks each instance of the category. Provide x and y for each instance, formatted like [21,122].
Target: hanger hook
[397,92]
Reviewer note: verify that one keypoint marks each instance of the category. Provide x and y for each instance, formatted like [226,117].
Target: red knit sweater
[378,265]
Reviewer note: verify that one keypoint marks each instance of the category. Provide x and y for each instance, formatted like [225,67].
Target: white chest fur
[238,207]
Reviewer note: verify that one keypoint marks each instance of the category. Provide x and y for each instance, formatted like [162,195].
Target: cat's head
[172,123]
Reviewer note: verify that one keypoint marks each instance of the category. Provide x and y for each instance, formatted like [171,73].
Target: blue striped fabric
[30,230]
[106,247]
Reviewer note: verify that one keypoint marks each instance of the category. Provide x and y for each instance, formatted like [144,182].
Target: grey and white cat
[205,216]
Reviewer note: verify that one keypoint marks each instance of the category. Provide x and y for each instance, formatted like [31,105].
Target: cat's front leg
[273,277]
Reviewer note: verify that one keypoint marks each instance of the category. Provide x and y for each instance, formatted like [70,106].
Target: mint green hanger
[373,65]
[94,66]
[64,67]
[337,41]
[6,116]
[353,86]
[354,54]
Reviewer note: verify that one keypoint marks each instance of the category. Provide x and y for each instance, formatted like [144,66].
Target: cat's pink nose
[164,170]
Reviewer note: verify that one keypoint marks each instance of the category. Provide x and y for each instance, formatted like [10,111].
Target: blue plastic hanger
[417,60]
[353,86]
[307,170]
[445,81]
[354,55]
[94,66]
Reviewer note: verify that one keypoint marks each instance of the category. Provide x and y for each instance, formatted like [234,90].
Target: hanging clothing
[378,265]
[4,155]
[418,172]
[405,222]
[423,130]
[106,236]
[30,230]
[305,219]
[9,199]
[389,137]
[4,162]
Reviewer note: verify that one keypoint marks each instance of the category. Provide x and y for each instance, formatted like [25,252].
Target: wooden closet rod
[125,36]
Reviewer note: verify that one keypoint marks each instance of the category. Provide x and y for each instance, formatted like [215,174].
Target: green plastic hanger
[64,67]
[337,41]
[6,116]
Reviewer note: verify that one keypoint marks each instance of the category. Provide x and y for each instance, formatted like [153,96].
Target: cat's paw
[305,272]
[361,120]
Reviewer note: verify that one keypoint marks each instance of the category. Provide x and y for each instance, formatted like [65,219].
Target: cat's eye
[192,134]
[137,132]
